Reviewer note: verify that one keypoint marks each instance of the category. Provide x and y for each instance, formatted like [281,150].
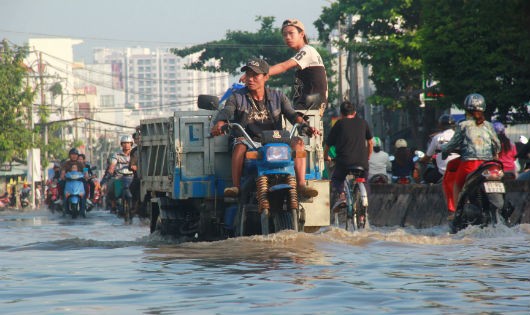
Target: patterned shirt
[476,142]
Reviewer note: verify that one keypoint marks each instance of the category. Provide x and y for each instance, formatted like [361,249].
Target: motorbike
[379,179]
[25,198]
[402,180]
[52,196]
[123,193]
[74,191]
[268,200]
[482,199]
[5,200]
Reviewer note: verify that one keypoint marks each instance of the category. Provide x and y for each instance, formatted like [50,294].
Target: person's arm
[282,67]
[454,143]
[224,115]
[369,140]
[276,69]
[370,147]
[326,153]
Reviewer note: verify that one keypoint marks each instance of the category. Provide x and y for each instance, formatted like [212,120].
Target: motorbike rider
[353,143]
[66,167]
[87,171]
[476,140]
[403,163]
[508,152]
[25,193]
[117,161]
[379,162]
[258,108]
[446,124]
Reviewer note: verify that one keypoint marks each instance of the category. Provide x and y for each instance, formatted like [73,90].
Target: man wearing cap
[258,108]
[310,77]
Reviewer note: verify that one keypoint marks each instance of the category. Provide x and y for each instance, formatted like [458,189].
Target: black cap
[256,65]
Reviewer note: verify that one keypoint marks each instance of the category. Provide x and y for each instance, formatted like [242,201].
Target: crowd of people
[454,151]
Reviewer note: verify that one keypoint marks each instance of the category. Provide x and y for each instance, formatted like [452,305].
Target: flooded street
[98,265]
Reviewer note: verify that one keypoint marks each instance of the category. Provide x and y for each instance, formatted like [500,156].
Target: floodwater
[98,265]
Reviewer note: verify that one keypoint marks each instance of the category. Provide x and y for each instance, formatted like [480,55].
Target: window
[107,100]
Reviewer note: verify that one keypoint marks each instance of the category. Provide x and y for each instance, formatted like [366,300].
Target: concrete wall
[423,206]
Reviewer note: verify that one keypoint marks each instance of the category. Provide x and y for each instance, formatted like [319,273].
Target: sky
[150,23]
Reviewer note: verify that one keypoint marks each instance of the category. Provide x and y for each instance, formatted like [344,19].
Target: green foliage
[479,46]
[238,46]
[16,99]
[390,47]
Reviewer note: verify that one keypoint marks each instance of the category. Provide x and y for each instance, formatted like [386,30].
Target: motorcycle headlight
[278,153]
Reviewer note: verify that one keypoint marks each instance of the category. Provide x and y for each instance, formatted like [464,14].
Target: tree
[239,46]
[389,46]
[16,99]
[480,46]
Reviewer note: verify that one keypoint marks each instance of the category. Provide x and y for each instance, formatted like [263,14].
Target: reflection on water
[98,265]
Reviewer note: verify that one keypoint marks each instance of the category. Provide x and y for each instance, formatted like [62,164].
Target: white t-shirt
[436,142]
[379,163]
[310,78]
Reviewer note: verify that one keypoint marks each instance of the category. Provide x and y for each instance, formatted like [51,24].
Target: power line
[231,46]
[142,79]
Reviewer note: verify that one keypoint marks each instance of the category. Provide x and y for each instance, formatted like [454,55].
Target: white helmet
[401,143]
[126,138]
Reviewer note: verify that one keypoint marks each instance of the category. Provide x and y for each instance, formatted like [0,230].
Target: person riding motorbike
[476,140]
[379,162]
[446,124]
[66,167]
[89,184]
[258,108]
[25,195]
[508,152]
[117,161]
[403,165]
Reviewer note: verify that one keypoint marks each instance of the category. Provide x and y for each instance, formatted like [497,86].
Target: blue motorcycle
[74,191]
[268,200]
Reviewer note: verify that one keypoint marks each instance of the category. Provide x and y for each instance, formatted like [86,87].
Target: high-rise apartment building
[157,81]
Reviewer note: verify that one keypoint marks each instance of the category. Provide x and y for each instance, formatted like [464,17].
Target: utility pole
[341,98]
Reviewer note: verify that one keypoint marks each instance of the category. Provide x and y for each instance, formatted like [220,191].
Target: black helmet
[74,151]
[446,120]
[475,102]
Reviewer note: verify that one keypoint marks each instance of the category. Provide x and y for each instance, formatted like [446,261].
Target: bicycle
[354,213]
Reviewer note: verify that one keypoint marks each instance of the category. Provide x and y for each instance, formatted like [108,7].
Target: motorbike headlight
[278,153]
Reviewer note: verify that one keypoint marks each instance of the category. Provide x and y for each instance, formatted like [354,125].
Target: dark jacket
[238,108]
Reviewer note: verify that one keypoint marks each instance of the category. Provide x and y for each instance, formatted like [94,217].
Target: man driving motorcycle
[258,108]
[117,161]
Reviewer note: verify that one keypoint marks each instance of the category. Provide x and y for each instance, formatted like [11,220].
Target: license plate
[494,187]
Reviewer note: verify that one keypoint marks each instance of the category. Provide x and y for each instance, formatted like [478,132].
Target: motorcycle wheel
[248,221]
[82,212]
[74,210]
[282,220]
